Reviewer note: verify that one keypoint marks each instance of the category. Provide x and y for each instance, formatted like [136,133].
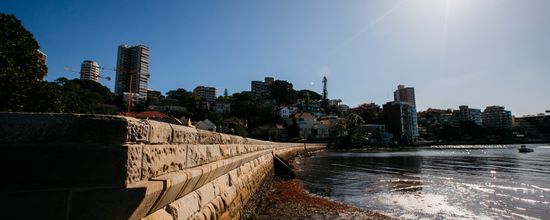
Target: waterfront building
[260,89]
[405,94]
[132,63]
[207,94]
[496,117]
[89,70]
[470,114]
[534,126]
[401,114]
[402,120]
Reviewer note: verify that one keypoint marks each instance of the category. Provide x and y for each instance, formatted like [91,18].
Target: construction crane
[131,74]
[67,69]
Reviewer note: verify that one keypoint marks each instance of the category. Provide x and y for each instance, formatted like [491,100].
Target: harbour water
[445,182]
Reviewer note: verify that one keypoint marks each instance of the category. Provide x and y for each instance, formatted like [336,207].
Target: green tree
[184,98]
[21,68]
[303,94]
[370,112]
[353,123]
[243,105]
[85,96]
[281,91]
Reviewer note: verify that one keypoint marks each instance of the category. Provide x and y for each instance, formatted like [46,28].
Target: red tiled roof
[145,114]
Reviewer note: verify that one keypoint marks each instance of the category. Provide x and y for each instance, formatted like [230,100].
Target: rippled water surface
[481,182]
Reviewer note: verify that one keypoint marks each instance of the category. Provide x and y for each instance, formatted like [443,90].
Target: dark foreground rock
[288,200]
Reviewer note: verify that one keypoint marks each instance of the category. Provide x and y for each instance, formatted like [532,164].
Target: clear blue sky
[454,52]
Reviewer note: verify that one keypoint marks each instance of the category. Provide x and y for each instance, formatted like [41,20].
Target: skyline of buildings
[135,60]
[132,65]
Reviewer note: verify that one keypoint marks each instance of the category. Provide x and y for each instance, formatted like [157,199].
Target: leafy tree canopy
[302,94]
[370,112]
[85,96]
[281,91]
[185,98]
[21,68]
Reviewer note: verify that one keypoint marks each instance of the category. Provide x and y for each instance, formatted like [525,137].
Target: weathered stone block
[133,202]
[27,128]
[19,128]
[225,216]
[196,155]
[159,132]
[173,184]
[241,149]
[35,204]
[220,184]
[199,216]
[67,165]
[206,194]
[213,153]
[134,163]
[225,150]
[208,137]
[209,212]
[185,207]
[202,154]
[161,159]
[137,130]
[184,135]
[237,140]
[225,139]
[221,168]
[218,205]
[194,175]
[233,178]
[229,196]
[159,215]
[207,171]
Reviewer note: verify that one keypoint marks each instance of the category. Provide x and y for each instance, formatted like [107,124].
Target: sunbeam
[357,34]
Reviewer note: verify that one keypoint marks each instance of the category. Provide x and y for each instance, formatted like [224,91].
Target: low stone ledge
[179,184]
[38,128]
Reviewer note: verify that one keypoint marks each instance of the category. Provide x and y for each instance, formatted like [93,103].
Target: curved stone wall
[71,166]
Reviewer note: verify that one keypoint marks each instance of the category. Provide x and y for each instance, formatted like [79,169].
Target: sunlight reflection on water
[481,182]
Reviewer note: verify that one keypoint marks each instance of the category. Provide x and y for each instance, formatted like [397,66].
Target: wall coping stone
[20,128]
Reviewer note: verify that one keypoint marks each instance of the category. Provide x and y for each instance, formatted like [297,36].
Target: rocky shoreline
[287,199]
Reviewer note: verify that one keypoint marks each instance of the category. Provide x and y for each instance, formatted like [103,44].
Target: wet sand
[287,199]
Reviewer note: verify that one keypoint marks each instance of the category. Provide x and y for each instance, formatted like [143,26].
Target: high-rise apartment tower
[132,63]
[89,70]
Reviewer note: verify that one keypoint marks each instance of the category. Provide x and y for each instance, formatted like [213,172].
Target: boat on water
[524,149]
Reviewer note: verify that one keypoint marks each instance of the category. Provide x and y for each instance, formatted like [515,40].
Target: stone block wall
[71,166]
